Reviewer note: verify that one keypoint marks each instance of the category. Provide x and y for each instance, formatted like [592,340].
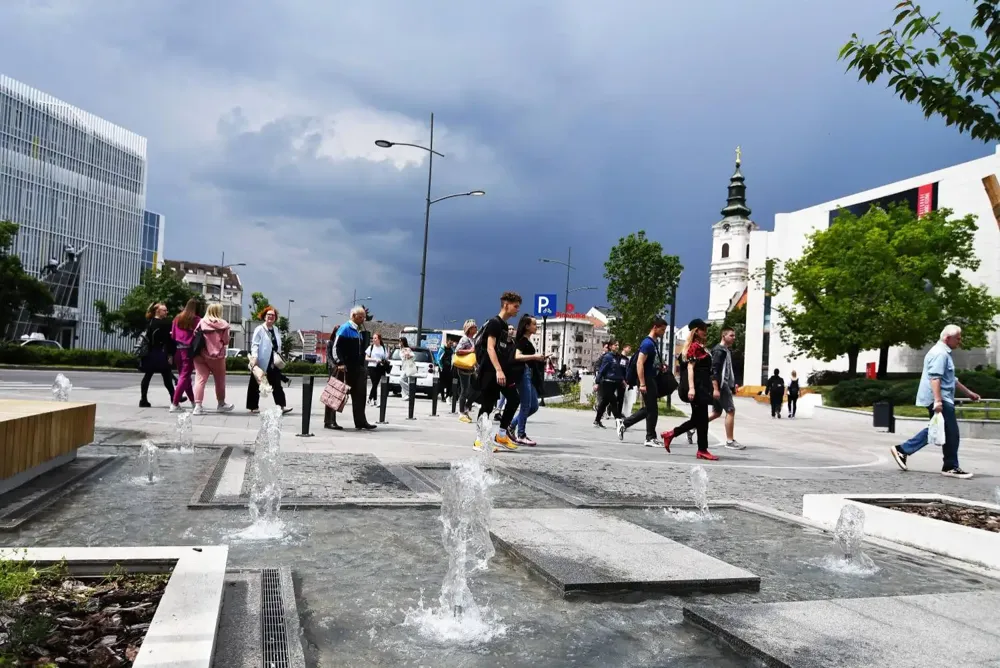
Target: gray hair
[950,331]
[358,309]
[469,324]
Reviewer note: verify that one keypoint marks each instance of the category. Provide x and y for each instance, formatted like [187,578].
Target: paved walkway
[832,452]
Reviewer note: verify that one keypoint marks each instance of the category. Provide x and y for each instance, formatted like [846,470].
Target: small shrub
[865,392]
[837,377]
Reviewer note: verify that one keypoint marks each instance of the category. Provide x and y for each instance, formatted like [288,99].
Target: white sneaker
[225,408]
[653,443]
[620,428]
[198,410]
[735,445]
[175,408]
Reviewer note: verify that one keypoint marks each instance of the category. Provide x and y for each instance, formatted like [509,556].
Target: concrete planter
[975,546]
[182,633]
[907,426]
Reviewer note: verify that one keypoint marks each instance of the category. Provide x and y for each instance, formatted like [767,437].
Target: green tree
[640,280]
[948,73]
[156,286]
[258,302]
[18,289]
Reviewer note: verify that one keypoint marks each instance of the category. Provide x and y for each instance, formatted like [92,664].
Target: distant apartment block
[216,284]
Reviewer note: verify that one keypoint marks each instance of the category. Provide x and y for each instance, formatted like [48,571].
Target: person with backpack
[793,395]
[156,351]
[209,348]
[696,388]
[609,382]
[495,355]
[775,389]
[643,371]
[182,333]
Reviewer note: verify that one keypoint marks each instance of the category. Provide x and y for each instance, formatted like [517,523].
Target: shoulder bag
[335,393]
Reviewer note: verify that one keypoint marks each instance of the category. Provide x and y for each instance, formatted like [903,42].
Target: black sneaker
[899,457]
[599,424]
[144,404]
[956,473]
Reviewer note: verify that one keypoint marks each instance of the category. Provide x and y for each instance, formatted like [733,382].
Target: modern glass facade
[152,233]
[76,185]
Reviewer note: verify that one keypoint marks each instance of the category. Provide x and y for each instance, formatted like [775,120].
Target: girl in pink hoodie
[212,359]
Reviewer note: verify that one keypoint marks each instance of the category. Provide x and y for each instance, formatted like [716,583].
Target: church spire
[736,203]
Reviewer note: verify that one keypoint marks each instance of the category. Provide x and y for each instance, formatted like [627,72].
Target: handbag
[278,361]
[335,394]
[464,362]
[197,342]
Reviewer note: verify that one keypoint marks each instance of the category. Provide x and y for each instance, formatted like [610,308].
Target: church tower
[730,249]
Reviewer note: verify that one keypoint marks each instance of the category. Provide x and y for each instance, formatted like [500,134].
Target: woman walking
[529,365]
[793,395]
[407,367]
[466,346]
[699,388]
[377,357]
[211,361]
[265,354]
[182,333]
[159,353]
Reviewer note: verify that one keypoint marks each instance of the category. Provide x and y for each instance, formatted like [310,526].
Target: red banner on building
[925,200]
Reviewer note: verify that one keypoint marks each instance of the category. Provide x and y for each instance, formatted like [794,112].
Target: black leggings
[375,373]
[253,389]
[168,382]
[609,400]
[793,403]
[491,395]
[699,422]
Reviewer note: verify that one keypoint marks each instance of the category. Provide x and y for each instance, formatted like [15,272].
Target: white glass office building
[76,185]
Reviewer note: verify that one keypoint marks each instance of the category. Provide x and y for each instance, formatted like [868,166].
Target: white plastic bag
[935,430]
[629,403]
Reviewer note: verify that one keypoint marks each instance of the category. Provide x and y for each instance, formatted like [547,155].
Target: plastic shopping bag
[935,430]
[629,403]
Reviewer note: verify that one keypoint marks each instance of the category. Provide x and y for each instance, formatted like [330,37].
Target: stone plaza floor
[362,535]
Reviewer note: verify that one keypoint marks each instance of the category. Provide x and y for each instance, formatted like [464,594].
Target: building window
[765,356]
[748,251]
[725,251]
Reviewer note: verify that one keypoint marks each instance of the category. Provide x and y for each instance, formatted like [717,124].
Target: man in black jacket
[348,348]
[775,388]
[610,381]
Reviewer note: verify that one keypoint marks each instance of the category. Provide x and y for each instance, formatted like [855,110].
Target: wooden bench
[38,436]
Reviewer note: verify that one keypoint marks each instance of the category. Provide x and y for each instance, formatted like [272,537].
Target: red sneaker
[667,437]
[705,454]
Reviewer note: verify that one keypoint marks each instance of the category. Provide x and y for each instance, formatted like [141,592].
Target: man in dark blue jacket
[348,348]
[609,381]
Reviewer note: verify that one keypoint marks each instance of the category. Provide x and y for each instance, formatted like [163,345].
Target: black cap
[697,323]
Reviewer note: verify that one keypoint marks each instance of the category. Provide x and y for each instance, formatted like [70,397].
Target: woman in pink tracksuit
[182,332]
[212,359]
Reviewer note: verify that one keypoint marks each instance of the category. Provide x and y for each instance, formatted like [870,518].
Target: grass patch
[960,413]
[577,406]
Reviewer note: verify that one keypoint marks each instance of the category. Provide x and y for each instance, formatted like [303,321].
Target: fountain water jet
[61,388]
[849,534]
[698,479]
[183,432]
[265,480]
[466,504]
[996,495]
[149,461]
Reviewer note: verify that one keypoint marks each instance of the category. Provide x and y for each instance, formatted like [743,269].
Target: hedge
[836,377]
[864,392]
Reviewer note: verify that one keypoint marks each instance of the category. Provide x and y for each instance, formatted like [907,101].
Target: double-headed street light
[383,143]
[569,267]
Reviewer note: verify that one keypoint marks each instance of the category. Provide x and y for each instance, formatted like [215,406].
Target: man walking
[936,393]
[724,385]
[348,350]
[494,356]
[646,370]
[610,380]
[775,388]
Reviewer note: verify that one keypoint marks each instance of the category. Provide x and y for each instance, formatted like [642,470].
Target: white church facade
[968,188]
[730,268]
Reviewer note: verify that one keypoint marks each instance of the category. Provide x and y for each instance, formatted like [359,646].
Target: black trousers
[491,395]
[609,400]
[699,422]
[444,382]
[253,389]
[375,373]
[168,382]
[793,403]
[776,405]
[649,412]
[357,379]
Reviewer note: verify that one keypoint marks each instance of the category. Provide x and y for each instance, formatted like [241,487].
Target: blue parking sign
[545,306]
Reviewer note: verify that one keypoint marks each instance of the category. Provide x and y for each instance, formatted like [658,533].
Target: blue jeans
[529,403]
[951,436]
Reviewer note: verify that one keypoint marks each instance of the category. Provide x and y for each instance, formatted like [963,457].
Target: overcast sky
[583,120]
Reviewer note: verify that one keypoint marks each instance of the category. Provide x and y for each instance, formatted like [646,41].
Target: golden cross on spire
[739,154]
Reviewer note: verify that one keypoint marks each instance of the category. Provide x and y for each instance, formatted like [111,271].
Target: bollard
[455,391]
[434,398]
[413,397]
[383,399]
[307,399]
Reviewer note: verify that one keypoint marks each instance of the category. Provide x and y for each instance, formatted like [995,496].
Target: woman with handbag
[211,359]
[266,361]
[696,388]
[464,363]
[156,351]
[378,363]
[182,332]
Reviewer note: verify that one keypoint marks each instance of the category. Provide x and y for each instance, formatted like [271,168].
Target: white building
[584,337]
[217,284]
[730,249]
[76,186]
[965,189]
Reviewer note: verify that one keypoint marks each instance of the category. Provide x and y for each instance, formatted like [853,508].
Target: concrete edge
[182,633]
[700,616]
[293,628]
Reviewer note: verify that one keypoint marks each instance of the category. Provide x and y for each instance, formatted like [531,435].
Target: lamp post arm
[441,199]
[429,150]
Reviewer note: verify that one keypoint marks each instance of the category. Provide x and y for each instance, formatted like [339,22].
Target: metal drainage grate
[274,639]
[212,484]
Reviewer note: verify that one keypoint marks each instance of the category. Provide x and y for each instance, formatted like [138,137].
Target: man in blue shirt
[937,393]
[647,368]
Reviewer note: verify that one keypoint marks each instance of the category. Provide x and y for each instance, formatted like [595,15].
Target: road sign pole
[541,399]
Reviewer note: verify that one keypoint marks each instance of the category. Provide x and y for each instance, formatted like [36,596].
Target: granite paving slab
[323,476]
[581,551]
[954,630]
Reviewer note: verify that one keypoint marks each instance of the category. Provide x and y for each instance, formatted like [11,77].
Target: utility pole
[670,349]
[569,258]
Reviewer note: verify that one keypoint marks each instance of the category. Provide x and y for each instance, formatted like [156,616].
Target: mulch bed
[977,518]
[87,623]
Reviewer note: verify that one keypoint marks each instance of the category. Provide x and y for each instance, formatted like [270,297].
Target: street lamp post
[289,312]
[322,322]
[382,143]
[673,320]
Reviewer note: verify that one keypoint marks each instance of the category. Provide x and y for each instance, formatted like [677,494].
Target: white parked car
[426,371]
[38,340]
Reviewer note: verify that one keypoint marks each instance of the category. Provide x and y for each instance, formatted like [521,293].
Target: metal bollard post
[434,398]
[455,391]
[383,399]
[307,399]
[413,398]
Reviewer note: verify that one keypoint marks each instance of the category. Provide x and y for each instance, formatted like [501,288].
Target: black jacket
[775,387]
[158,336]
[609,369]
[719,355]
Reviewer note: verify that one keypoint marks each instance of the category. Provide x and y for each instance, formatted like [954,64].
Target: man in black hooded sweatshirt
[775,389]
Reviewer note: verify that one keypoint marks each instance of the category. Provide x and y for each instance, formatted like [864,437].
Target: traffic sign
[545,306]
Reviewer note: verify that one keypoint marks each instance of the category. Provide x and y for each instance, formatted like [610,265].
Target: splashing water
[698,479]
[265,480]
[61,388]
[184,432]
[466,504]
[849,534]
[996,495]
[149,461]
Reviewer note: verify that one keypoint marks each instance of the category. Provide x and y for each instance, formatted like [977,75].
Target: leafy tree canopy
[18,289]
[949,73]
[641,279]
[156,286]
